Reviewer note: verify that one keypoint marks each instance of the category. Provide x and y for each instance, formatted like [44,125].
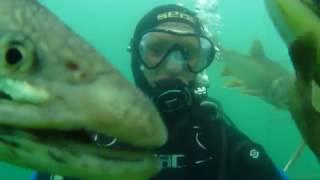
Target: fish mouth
[67,152]
[23,92]
[73,138]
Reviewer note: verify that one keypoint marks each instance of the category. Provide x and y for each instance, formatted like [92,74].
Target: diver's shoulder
[218,114]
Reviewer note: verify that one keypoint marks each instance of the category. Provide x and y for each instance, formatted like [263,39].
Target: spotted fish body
[54,87]
[299,25]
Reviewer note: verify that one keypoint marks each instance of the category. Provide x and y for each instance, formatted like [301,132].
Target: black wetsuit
[209,147]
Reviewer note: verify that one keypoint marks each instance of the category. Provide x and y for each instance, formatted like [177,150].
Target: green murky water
[108,26]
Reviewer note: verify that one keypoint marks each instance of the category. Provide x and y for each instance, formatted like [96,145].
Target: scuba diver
[170,50]
[169,54]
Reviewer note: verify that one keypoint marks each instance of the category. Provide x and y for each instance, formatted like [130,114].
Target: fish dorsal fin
[257,50]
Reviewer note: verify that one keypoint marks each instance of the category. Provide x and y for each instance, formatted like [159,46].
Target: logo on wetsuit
[172,161]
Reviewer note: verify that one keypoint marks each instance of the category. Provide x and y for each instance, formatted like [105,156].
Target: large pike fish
[257,75]
[55,88]
[299,25]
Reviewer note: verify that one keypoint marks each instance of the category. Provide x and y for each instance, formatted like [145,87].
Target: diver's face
[173,65]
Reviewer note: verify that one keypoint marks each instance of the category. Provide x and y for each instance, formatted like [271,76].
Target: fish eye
[13,56]
[18,53]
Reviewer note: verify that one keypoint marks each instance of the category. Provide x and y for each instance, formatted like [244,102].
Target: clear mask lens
[155,46]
